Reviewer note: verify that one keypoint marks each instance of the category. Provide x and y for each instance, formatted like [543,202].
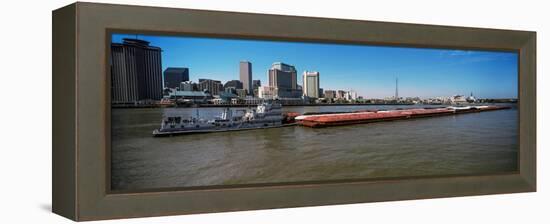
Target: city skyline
[369,70]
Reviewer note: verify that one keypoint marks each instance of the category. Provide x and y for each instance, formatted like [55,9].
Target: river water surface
[475,143]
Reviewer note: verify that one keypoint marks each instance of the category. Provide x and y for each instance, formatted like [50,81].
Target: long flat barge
[338,119]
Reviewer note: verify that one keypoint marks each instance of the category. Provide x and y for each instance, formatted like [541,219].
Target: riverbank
[246,105]
[128,106]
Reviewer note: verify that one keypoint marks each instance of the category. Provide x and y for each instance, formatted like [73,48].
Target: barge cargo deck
[338,119]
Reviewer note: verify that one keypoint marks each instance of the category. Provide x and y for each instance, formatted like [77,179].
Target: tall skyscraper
[245,75]
[174,76]
[136,72]
[282,77]
[311,84]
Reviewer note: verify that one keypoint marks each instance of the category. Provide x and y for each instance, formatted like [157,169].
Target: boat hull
[159,133]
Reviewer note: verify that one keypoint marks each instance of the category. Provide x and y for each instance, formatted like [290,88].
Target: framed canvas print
[202,111]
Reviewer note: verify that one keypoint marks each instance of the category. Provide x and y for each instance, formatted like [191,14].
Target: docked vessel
[265,115]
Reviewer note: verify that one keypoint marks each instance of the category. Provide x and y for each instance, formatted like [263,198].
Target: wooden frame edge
[64,158]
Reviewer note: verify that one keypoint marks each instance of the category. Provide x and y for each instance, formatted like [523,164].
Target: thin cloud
[468,56]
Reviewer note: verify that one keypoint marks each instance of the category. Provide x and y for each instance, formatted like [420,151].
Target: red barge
[359,117]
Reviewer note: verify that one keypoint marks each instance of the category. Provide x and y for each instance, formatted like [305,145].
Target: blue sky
[369,70]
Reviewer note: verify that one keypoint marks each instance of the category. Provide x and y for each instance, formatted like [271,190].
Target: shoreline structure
[131,106]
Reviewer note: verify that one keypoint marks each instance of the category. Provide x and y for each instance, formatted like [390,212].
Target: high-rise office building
[174,76]
[136,72]
[311,84]
[245,75]
[282,77]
